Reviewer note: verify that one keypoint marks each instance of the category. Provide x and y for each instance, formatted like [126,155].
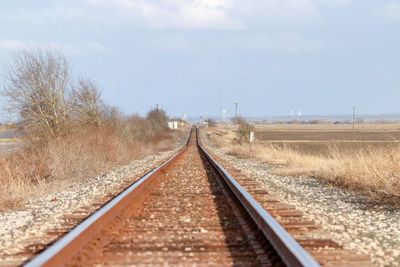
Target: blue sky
[317,56]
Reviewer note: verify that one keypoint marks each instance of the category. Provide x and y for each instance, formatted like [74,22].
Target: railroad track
[189,212]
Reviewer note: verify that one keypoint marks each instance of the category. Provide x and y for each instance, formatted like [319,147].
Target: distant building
[173,124]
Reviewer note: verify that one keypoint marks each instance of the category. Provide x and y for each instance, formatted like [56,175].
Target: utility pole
[354,116]
[236,110]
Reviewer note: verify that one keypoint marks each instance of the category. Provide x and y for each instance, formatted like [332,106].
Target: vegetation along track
[187,212]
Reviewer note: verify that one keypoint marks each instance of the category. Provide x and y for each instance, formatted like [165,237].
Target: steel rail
[291,252]
[58,253]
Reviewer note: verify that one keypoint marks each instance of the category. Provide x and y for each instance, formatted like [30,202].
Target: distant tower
[299,113]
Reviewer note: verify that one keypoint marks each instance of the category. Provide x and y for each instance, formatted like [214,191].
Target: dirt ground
[320,139]
[338,136]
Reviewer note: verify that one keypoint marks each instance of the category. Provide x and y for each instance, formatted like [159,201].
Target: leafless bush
[158,118]
[243,131]
[211,123]
[139,128]
[87,103]
[113,117]
[36,86]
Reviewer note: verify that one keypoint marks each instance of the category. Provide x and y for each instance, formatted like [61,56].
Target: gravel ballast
[29,229]
[347,217]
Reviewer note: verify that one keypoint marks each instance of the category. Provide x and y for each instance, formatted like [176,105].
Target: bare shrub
[158,118]
[21,176]
[139,128]
[243,131]
[98,150]
[36,86]
[113,117]
[87,103]
[211,123]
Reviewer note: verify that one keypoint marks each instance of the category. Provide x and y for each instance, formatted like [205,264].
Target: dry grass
[375,170]
[41,168]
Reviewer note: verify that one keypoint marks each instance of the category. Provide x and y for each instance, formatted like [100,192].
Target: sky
[198,57]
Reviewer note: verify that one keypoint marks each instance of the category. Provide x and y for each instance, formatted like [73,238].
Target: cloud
[211,14]
[287,42]
[292,43]
[334,3]
[11,44]
[63,12]
[167,13]
[69,49]
[392,11]
[172,43]
[178,14]
[55,12]
[291,10]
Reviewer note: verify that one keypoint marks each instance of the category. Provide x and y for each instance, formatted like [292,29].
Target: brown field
[315,135]
[330,127]
[322,141]
[325,148]
[366,158]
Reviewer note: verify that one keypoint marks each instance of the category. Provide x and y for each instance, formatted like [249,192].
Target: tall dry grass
[45,166]
[372,170]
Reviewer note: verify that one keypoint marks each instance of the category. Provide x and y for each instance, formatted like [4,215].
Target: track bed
[188,218]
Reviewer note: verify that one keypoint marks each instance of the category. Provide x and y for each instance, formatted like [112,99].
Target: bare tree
[87,102]
[35,86]
[158,118]
[113,116]
[139,128]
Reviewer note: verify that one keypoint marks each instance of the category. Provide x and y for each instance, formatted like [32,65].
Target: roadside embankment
[43,219]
